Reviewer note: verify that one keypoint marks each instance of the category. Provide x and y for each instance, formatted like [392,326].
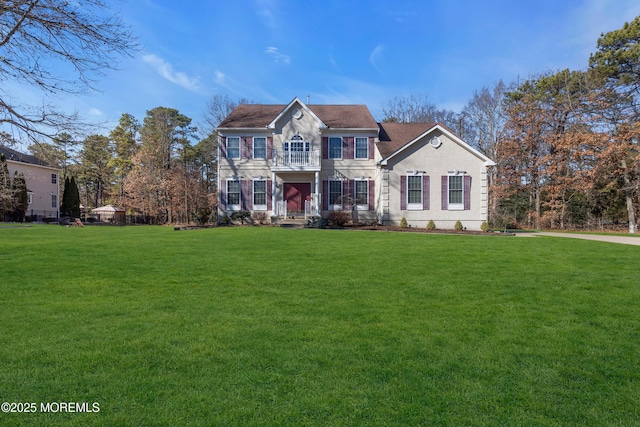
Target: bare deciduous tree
[55,47]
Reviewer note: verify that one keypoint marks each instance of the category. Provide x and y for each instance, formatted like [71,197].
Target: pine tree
[5,188]
[20,197]
[64,205]
[73,201]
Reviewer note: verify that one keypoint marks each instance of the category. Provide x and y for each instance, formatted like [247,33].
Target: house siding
[386,176]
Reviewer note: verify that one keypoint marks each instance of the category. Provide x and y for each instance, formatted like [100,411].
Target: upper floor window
[362,148]
[259,147]
[233,147]
[54,179]
[335,148]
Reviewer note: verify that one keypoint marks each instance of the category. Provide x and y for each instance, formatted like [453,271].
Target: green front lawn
[270,326]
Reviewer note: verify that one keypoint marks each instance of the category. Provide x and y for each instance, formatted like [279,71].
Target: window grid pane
[260,148]
[362,192]
[335,192]
[259,193]
[362,148]
[414,189]
[455,189]
[335,148]
[233,147]
[233,192]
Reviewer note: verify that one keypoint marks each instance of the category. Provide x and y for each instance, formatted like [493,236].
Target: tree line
[565,143]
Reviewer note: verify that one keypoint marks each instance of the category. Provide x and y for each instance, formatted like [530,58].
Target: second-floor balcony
[296,160]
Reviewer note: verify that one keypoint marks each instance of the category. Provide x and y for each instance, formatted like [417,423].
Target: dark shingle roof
[394,136]
[17,156]
[334,116]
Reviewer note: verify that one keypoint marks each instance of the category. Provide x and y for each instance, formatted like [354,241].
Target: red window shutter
[325,147]
[269,194]
[222,196]
[371,147]
[425,192]
[223,147]
[403,193]
[346,192]
[325,195]
[246,191]
[467,192]
[269,147]
[347,147]
[372,199]
[444,187]
[245,148]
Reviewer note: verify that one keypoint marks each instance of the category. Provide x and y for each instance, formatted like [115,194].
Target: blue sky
[341,51]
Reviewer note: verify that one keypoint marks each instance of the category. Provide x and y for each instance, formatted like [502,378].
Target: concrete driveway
[602,238]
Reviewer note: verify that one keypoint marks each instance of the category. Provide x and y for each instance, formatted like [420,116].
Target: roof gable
[329,116]
[397,137]
[16,156]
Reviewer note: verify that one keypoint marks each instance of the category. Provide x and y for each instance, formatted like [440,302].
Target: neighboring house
[42,183]
[309,160]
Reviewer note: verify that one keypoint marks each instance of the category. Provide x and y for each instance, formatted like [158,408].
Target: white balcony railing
[296,158]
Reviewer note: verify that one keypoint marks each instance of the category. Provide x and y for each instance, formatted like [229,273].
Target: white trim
[455,206]
[256,207]
[233,207]
[304,109]
[226,152]
[415,206]
[355,148]
[253,147]
[334,207]
[358,207]
[341,148]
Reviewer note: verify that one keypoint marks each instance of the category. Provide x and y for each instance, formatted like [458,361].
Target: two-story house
[42,183]
[308,160]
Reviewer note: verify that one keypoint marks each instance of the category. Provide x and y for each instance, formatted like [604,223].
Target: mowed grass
[270,326]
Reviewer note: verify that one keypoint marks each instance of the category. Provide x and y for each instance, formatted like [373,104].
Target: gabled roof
[17,156]
[333,116]
[396,137]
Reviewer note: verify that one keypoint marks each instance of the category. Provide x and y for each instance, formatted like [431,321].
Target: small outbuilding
[109,213]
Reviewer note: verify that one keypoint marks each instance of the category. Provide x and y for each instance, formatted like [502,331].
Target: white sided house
[42,183]
[308,160]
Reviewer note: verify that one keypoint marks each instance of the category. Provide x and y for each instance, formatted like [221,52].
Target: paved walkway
[599,237]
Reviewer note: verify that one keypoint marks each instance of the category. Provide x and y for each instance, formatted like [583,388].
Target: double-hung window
[54,201]
[259,147]
[233,147]
[335,194]
[362,148]
[414,192]
[362,194]
[233,194]
[260,194]
[456,192]
[54,178]
[335,148]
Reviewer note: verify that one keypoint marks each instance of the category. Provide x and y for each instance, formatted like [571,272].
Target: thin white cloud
[95,112]
[376,56]
[266,9]
[277,56]
[166,70]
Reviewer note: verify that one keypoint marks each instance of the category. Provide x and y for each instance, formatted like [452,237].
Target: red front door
[295,193]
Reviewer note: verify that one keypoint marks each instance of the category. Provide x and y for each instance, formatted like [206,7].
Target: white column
[318,192]
[273,192]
